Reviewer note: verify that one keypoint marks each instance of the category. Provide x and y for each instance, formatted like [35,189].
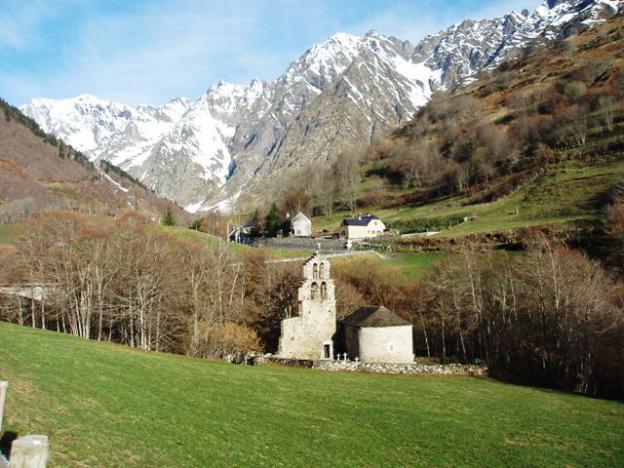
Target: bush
[428,224]
[220,340]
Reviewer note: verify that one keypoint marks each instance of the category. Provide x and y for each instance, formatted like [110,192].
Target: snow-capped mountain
[340,93]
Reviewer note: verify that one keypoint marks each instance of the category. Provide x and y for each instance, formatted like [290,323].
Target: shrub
[220,340]
[428,224]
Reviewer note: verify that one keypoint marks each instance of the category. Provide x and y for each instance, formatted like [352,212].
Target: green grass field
[407,266]
[104,405]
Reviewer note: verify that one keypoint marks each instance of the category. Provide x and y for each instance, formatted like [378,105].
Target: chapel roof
[374,316]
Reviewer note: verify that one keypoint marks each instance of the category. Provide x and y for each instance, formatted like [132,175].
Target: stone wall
[380,368]
[396,368]
[327,245]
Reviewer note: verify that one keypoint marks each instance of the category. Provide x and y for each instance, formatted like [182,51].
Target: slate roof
[374,316]
[359,221]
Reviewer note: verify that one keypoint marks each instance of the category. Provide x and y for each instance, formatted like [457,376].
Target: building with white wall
[371,334]
[376,334]
[310,334]
[301,225]
[362,227]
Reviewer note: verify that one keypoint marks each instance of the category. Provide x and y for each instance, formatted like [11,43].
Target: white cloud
[413,21]
[147,52]
[164,50]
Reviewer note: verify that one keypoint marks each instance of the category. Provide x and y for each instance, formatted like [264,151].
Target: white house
[301,226]
[362,227]
[376,334]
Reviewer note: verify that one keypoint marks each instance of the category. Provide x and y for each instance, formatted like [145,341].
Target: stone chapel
[370,334]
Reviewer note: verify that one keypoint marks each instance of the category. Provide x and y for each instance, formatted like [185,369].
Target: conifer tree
[272,221]
[256,228]
[167,218]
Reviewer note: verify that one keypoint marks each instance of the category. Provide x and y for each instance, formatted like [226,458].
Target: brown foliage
[221,340]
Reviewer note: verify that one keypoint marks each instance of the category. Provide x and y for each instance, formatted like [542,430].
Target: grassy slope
[404,266]
[10,233]
[107,405]
[565,194]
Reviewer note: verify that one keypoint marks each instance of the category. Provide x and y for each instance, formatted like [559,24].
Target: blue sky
[139,51]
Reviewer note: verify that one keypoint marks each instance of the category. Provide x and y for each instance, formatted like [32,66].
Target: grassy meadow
[404,267]
[10,233]
[106,405]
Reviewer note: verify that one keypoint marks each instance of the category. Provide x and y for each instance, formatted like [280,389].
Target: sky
[149,51]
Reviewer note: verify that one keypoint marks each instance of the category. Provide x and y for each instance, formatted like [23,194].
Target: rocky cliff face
[341,93]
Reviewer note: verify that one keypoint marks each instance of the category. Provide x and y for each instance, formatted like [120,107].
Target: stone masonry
[310,334]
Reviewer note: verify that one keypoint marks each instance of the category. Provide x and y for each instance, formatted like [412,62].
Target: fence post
[29,452]
[4,386]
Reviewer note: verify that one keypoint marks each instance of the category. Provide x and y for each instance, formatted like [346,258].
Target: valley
[391,254]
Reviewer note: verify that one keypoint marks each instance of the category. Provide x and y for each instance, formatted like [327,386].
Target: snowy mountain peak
[344,91]
[328,59]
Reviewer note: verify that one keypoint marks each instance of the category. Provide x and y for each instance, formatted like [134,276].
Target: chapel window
[315,271]
[313,291]
[323,291]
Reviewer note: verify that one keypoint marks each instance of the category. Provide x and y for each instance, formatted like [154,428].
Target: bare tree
[347,169]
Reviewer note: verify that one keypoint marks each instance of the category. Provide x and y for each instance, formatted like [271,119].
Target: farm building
[362,227]
[298,226]
[241,234]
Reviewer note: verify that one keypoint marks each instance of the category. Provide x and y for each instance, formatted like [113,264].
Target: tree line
[125,281]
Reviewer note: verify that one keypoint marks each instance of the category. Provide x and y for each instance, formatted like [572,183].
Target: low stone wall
[415,368]
[303,243]
[381,368]
[286,362]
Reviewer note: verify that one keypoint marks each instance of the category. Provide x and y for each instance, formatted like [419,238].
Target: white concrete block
[29,452]
[4,387]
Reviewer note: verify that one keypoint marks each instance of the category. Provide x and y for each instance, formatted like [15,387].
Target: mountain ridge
[343,92]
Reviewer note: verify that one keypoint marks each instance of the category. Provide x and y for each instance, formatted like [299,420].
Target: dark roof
[359,221]
[374,316]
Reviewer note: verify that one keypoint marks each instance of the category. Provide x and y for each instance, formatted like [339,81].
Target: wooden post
[29,452]
[4,386]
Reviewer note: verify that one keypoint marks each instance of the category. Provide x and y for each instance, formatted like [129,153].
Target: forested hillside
[554,105]
[39,173]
